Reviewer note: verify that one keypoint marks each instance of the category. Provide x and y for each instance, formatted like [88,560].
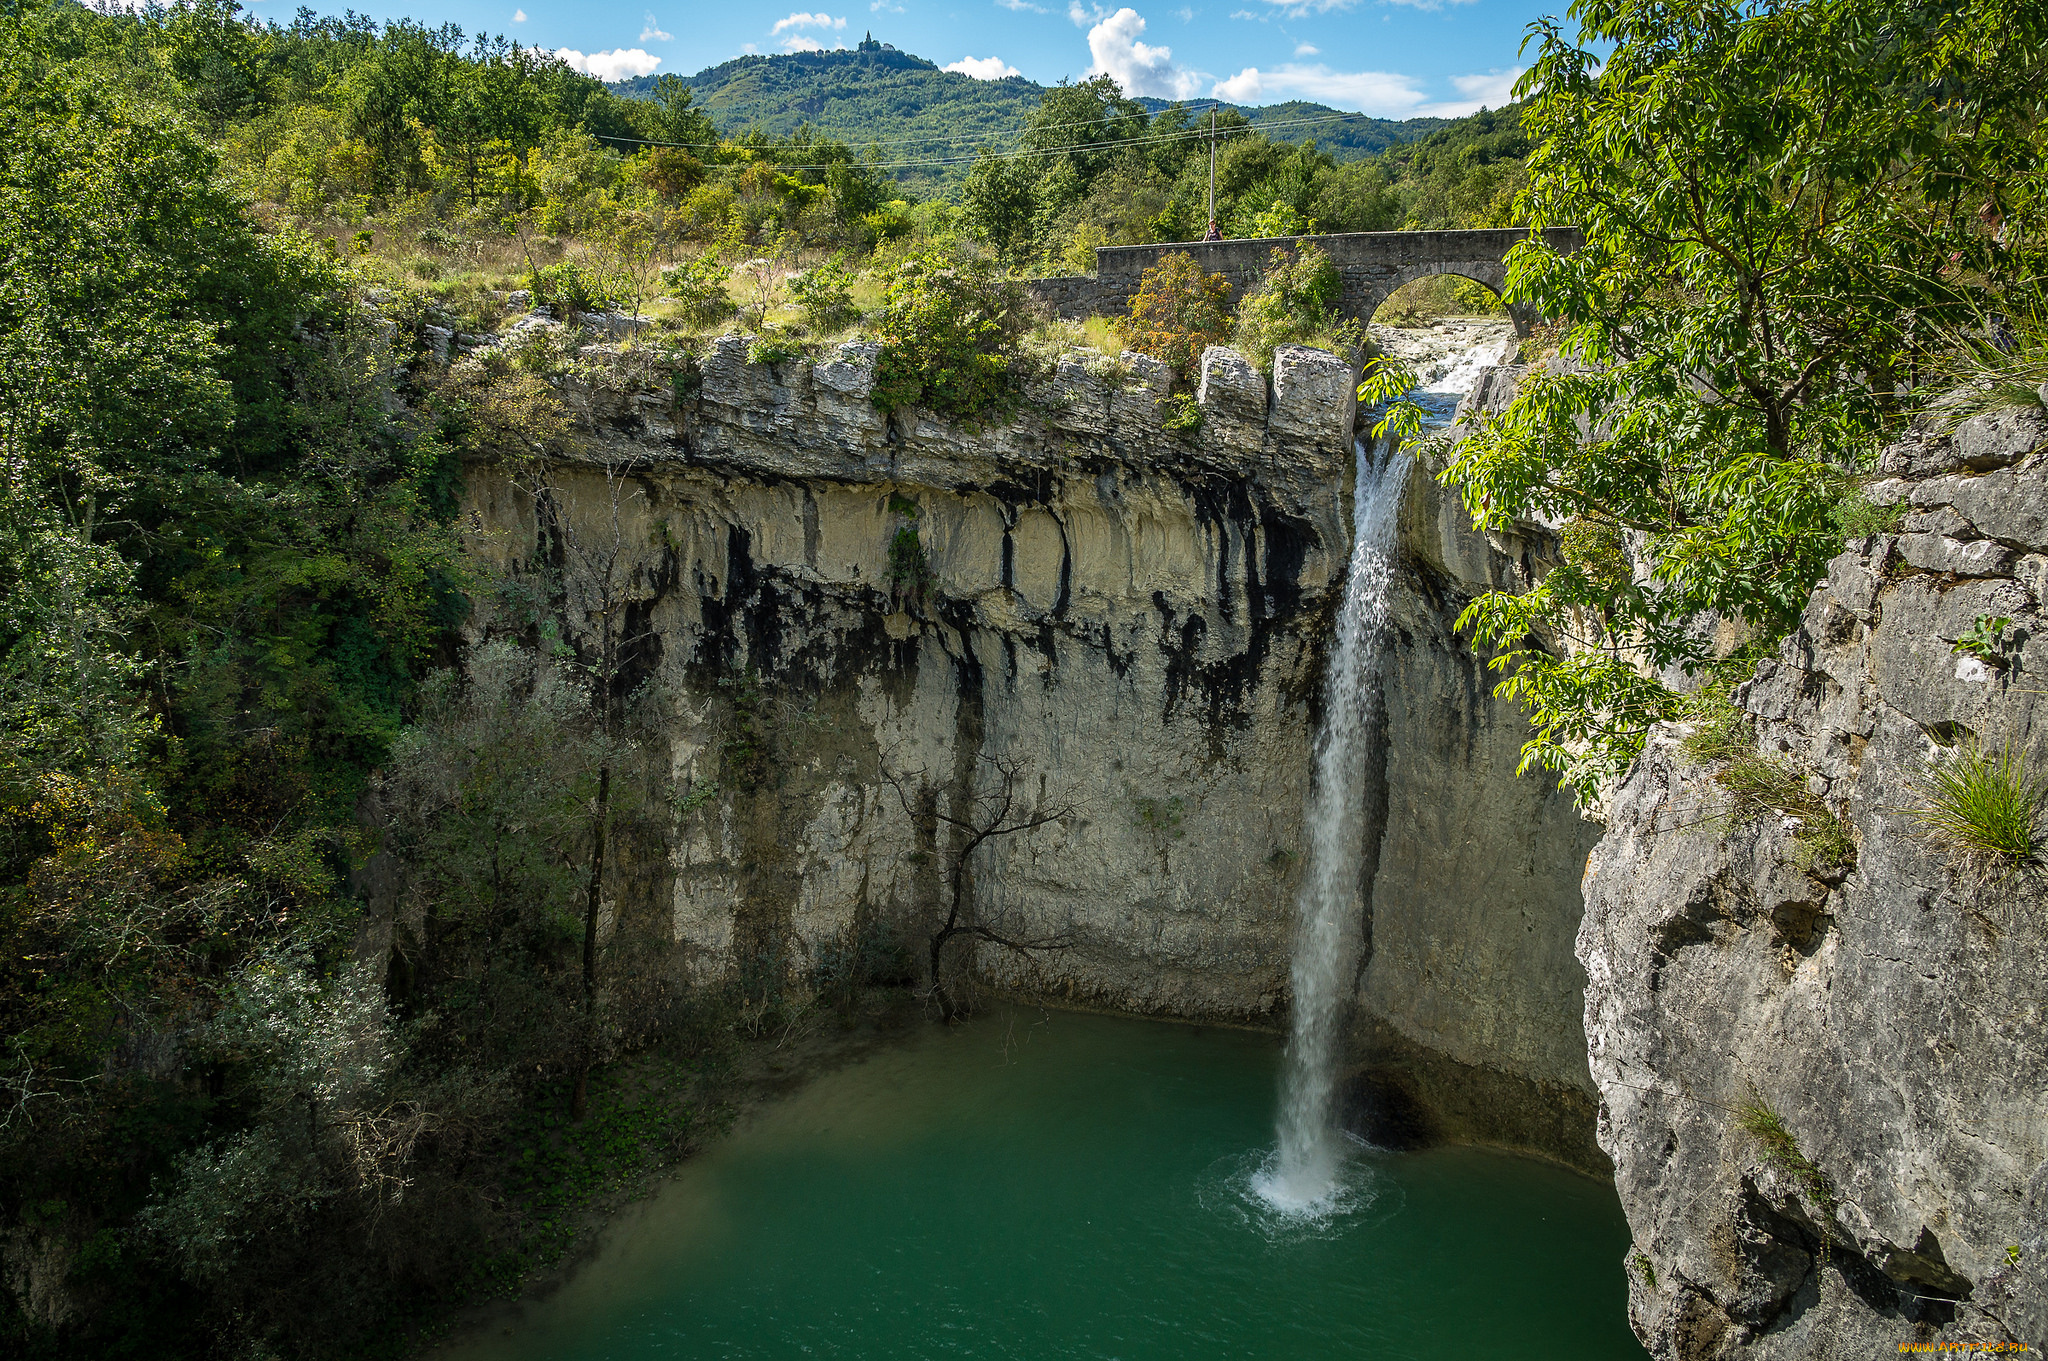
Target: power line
[939,139]
[1183,134]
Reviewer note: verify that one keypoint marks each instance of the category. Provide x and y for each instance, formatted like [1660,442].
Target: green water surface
[1034,1185]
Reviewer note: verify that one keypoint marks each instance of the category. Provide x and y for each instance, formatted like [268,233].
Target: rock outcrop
[1822,1085]
[851,623]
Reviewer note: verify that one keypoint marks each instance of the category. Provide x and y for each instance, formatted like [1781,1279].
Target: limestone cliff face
[1132,621]
[1890,1014]
[1129,619]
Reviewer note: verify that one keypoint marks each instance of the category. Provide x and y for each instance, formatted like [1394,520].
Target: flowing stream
[1305,1174]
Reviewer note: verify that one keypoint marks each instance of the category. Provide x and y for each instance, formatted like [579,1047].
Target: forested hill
[912,110]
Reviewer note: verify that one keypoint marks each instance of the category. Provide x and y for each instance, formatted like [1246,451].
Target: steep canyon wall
[1886,1013]
[1124,622]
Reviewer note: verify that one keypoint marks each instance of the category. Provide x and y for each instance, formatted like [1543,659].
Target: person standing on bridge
[1214,233]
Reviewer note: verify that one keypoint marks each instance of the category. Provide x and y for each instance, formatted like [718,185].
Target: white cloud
[613,65]
[1186,13]
[1020,6]
[1307,50]
[1383,94]
[1494,89]
[1242,88]
[981,68]
[802,20]
[879,6]
[802,42]
[1380,93]
[1139,67]
[1295,9]
[1082,18]
[653,34]
[518,16]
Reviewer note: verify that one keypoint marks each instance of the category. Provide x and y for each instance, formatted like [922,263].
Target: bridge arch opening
[1447,293]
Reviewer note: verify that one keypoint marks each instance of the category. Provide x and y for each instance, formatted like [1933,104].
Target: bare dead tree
[985,815]
[602,562]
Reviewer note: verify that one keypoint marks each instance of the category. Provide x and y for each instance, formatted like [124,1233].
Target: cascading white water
[1303,1177]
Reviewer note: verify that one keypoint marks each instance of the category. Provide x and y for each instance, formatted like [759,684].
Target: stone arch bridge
[1373,264]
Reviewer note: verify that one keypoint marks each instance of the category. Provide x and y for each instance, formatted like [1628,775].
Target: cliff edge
[1822,1077]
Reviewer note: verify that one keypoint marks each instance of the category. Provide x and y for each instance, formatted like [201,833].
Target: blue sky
[1389,58]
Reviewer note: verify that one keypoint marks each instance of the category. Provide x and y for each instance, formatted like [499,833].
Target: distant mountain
[911,110]
[1346,136]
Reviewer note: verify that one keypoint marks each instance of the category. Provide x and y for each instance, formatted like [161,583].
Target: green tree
[1297,302]
[999,202]
[1782,208]
[1178,313]
[948,327]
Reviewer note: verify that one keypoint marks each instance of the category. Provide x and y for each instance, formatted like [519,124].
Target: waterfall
[1303,1176]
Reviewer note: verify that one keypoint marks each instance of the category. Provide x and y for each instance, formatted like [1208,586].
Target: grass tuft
[1760,784]
[1756,1118]
[1996,365]
[1856,516]
[1985,810]
[1720,731]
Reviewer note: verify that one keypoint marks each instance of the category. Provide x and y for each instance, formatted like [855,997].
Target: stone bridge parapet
[1374,265]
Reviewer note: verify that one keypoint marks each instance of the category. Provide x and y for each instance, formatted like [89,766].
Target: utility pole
[1212,162]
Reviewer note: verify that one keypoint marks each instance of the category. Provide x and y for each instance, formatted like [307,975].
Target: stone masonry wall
[1373,264]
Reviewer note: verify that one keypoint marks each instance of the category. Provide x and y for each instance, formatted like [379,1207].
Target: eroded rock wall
[1129,619]
[1132,621]
[1889,1014]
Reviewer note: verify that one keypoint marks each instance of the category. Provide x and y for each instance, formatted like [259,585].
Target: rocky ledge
[1822,1084]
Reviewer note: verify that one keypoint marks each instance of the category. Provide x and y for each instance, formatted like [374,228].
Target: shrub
[1182,413]
[774,346]
[1178,313]
[698,287]
[1295,304]
[1984,810]
[1988,639]
[1281,220]
[671,173]
[890,222]
[824,293]
[567,288]
[909,568]
[948,329]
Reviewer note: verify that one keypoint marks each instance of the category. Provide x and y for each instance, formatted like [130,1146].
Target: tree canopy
[1788,210]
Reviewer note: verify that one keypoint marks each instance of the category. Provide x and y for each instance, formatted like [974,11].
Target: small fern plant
[1985,810]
